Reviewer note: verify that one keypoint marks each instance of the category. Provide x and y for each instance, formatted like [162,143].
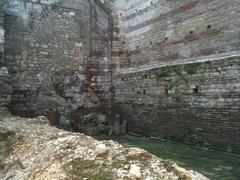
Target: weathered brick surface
[49,50]
[2,32]
[58,54]
[196,103]
[43,40]
[5,88]
[50,40]
[99,66]
[169,31]
[154,87]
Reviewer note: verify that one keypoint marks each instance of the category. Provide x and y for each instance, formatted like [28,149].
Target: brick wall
[47,50]
[99,64]
[196,103]
[161,32]
[5,87]
[176,78]
[2,32]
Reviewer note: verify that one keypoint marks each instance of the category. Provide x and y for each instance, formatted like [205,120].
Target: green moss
[192,68]
[87,169]
[178,70]
[160,74]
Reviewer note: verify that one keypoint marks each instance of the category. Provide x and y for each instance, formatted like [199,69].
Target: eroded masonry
[168,69]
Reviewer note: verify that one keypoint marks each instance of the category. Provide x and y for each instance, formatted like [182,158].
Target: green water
[215,165]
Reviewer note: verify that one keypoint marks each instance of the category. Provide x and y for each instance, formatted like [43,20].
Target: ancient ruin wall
[5,87]
[195,103]
[2,32]
[49,52]
[160,32]
[178,80]
[99,64]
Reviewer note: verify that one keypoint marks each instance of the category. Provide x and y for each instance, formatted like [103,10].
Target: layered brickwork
[2,32]
[196,103]
[63,54]
[5,87]
[54,52]
[59,46]
[43,40]
[119,48]
[175,79]
[160,32]
[99,65]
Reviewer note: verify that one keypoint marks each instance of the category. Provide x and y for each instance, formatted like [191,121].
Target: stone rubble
[135,171]
[31,149]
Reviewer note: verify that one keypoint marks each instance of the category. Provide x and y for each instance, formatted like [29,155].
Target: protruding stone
[101,149]
[135,171]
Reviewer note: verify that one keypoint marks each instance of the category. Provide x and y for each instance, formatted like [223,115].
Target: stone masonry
[170,68]
[2,32]
[5,87]
[51,49]
[163,32]
[178,78]
[196,103]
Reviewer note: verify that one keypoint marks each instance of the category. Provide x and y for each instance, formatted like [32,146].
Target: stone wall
[99,64]
[48,52]
[162,32]
[195,103]
[174,72]
[176,77]
[5,88]
[2,32]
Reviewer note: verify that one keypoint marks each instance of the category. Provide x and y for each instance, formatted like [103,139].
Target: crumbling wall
[2,32]
[48,48]
[5,87]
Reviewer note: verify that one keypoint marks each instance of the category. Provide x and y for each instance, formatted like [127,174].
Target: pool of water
[216,165]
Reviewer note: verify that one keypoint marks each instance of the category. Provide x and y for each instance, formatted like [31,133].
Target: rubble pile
[32,149]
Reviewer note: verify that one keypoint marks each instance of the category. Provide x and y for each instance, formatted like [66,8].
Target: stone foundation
[196,103]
